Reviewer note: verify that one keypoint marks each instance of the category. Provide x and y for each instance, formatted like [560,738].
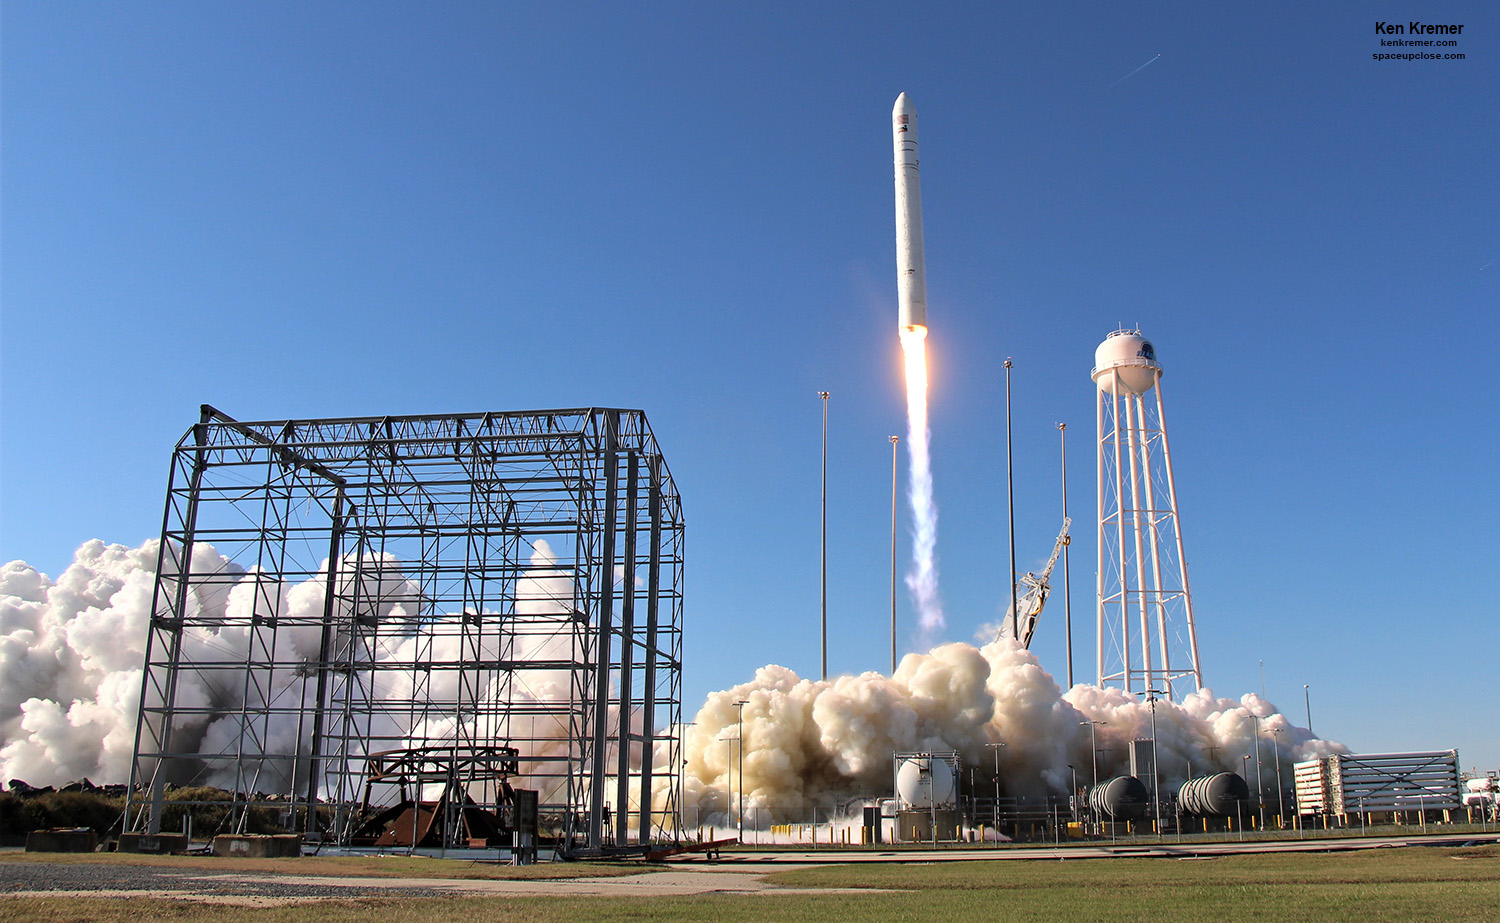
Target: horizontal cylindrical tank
[1121,798]
[1130,355]
[922,782]
[1218,795]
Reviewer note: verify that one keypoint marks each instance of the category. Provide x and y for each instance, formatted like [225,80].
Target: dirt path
[35,879]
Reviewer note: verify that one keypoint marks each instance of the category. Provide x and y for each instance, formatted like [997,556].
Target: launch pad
[331,594]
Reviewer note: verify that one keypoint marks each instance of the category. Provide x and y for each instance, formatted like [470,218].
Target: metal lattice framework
[330,589]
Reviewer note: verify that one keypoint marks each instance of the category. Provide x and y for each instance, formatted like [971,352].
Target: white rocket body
[911,264]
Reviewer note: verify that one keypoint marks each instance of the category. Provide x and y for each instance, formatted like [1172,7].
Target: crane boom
[1034,590]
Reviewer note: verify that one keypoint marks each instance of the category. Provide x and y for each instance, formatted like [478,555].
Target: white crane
[1033,594]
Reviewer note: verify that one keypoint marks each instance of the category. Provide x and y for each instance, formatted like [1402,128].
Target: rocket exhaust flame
[922,579]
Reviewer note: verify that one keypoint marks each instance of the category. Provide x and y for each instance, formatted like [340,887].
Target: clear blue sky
[300,210]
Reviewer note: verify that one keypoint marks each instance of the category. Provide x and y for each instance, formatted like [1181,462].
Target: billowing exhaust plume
[827,746]
[70,673]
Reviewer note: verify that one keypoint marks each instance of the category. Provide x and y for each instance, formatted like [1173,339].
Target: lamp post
[1307,699]
[823,396]
[894,441]
[1010,484]
[740,736]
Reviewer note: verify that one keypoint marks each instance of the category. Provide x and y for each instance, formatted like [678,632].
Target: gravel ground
[101,879]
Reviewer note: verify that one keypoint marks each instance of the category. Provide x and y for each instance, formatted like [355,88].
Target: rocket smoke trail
[1134,72]
[922,580]
[911,286]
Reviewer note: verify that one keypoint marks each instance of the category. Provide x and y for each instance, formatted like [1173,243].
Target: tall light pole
[1094,758]
[1307,699]
[740,736]
[728,778]
[682,777]
[1094,745]
[995,811]
[823,396]
[1155,767]
[1010,484]
[1260,786]
[894,441]
[1062,431]
[1280,792]
[1244,771]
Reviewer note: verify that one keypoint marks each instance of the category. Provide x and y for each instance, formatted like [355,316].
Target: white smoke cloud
[70,673]
[71,655]
[814,744]
[70,660]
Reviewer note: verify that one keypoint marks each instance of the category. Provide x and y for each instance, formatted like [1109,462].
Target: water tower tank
[1133,356]
[923,782]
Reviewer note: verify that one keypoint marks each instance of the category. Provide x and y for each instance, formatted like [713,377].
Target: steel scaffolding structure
[327,590]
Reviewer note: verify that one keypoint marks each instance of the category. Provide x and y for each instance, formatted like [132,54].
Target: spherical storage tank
[1132,356]
[1218,795]
[923,782]
[1121,798]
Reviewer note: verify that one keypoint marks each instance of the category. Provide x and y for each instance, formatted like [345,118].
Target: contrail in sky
[1489,264]
[1134,72]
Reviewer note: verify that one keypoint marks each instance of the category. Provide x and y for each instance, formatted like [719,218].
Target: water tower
[1147,639]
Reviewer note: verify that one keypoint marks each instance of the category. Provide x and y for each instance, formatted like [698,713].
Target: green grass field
[1405,885]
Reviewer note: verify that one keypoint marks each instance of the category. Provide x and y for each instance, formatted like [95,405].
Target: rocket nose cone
[904,106]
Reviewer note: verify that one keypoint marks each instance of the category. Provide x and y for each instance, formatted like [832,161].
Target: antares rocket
[911,265]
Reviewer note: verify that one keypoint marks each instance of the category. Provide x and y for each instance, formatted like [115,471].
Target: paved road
[1164,849]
